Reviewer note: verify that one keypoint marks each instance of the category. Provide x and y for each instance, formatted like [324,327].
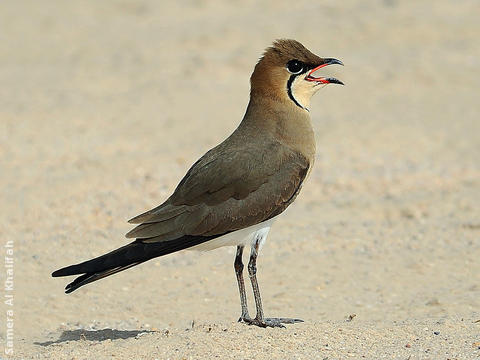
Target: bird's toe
[269,322]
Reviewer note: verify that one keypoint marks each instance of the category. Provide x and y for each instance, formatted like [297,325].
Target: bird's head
[286,72]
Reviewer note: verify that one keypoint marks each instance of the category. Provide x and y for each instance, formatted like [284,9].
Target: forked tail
[123,258]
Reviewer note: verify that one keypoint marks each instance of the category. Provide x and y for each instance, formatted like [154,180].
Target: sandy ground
[105,105]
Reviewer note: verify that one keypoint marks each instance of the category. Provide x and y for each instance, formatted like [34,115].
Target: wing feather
[215,198]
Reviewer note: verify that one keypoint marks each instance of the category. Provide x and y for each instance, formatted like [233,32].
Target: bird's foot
[268,322]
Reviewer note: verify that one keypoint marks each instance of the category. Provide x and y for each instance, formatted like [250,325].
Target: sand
[105,105]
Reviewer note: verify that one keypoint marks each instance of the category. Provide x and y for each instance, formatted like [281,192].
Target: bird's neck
[282,120]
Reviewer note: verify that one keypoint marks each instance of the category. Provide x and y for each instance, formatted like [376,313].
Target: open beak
[324,80]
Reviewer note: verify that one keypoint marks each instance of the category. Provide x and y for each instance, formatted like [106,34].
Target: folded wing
[215,198]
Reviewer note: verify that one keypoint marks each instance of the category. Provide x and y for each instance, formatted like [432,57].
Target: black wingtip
[58,273]
[66,271]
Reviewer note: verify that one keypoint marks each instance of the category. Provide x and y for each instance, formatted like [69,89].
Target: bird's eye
[295,66]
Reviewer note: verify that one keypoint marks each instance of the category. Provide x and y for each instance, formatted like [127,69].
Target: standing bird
[234,192]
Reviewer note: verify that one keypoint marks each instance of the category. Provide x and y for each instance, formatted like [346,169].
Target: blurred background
[105,105]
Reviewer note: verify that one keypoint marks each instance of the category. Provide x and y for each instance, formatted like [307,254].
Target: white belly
[240,237]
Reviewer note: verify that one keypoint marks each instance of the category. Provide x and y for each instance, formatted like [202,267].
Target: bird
[235,191]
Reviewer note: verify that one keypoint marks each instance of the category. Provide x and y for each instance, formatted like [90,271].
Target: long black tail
[123,258]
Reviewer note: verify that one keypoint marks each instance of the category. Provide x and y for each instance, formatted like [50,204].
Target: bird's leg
[238,265]
[252,272]
[260,320]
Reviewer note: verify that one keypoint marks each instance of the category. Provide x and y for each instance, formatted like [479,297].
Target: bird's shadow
[94,335]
